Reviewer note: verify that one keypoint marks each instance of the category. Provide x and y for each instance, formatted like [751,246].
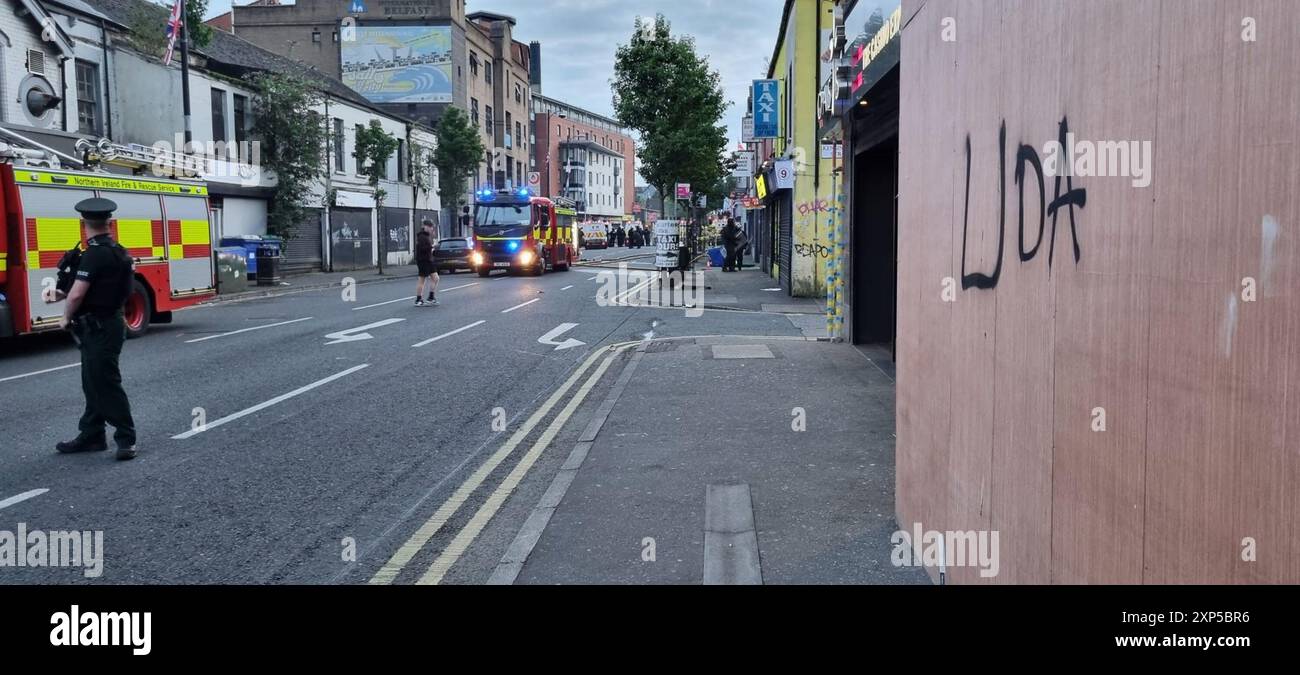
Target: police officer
[94,313]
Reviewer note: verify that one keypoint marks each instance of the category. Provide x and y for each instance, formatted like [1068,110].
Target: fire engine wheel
[138,310]
[485,273]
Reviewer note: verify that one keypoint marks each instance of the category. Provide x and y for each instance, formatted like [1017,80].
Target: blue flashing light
[513,245]
[523,192]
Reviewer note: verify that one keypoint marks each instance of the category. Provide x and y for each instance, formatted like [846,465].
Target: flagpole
[185,79]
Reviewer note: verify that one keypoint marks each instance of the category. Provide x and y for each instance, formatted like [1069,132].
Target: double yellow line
[470,531]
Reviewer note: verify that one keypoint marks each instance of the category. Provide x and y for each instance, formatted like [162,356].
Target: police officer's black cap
[96,208]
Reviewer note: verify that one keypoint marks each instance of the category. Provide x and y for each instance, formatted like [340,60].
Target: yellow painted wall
[816,194]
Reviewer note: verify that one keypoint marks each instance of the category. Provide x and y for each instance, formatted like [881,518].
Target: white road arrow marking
[358,334]
[549,338]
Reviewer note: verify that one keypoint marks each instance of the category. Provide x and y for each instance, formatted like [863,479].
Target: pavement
[327,435]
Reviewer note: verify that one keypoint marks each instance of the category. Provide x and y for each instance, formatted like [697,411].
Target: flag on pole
[173,31]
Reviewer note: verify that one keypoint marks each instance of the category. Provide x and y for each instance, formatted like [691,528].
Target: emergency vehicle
[595,235]
[517,232]
[162,223]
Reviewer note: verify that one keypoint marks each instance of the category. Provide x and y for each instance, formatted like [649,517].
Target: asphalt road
[306,438]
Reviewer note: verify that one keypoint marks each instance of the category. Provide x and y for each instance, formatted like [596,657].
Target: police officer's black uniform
[100,327]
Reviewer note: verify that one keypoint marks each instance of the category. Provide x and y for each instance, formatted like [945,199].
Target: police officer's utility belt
[95,318]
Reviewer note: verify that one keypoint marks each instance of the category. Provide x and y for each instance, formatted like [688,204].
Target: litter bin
[717,256]
[250,243]
[268,263]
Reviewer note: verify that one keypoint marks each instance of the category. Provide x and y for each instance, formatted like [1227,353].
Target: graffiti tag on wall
[813,250]
[1066,201]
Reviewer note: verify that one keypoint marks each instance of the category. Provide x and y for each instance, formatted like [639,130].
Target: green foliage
[457,156]
[374,148]
[147,23]
[421,169]
[293,138]
[200,33]
[668,93]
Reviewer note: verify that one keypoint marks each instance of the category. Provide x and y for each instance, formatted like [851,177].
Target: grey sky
[579,38]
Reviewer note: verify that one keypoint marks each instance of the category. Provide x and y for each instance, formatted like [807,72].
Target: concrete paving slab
[756,351]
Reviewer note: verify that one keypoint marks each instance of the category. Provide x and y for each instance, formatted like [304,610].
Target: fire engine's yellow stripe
[135,233]
[4,264]
[56,234]
[176,251]
[195,232]
[59,178]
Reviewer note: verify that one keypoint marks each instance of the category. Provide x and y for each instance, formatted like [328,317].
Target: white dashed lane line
[39,372]
[22,497]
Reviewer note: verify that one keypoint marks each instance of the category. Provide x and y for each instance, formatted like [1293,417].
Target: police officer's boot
[80,444]
[126,452]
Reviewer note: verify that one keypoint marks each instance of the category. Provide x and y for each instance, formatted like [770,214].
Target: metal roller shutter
[302,252]
[786,214]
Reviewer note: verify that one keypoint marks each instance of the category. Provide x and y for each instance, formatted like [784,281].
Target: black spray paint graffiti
[1025,154]
[812,250]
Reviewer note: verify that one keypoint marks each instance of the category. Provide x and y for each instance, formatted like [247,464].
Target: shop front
[859,108]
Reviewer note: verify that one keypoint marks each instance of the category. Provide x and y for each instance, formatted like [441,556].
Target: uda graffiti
[1067,202]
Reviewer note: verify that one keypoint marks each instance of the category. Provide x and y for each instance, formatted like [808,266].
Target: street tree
[456,157]
[668,93]
[374,148]
[292,138]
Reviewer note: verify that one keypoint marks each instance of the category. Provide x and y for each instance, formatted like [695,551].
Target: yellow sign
[107,182]
[761,182]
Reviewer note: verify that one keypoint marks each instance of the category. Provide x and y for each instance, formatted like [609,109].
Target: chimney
[535,67]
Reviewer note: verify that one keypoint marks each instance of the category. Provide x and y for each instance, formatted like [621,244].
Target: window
[519,93]
[87,98]
[315,36]
[487,118]
[338,145]
[401,160]
[241,124]
[218,115]
[519,132]
[361,169]
[473,64]
[473,111]
[487,72]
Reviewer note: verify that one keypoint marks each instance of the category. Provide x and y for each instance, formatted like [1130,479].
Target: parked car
[450,255]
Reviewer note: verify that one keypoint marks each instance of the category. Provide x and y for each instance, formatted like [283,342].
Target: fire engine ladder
[19,149]
[140,158]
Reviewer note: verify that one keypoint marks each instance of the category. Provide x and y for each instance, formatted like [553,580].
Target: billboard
[400,64]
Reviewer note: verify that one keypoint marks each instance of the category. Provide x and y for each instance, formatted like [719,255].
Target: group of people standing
[734,241]
[635,236]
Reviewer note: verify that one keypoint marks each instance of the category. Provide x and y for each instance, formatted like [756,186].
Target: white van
[594,235]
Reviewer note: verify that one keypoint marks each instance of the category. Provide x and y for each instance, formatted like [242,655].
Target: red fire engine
[163,224]
[517,232]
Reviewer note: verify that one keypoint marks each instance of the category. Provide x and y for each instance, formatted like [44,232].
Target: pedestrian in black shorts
[425,265]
